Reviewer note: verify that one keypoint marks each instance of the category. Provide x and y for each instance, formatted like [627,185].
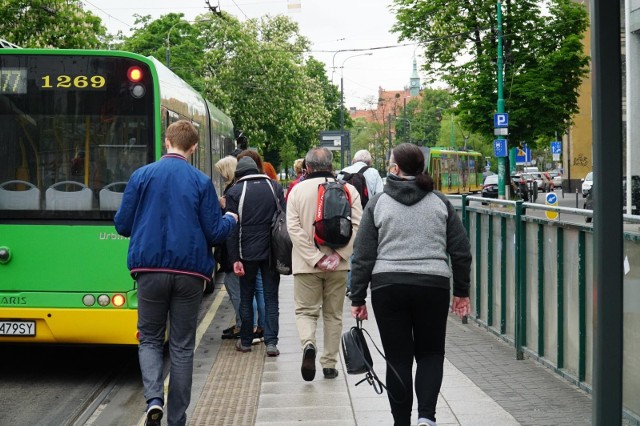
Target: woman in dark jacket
[407,235]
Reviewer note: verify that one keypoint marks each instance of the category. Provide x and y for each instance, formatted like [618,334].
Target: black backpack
[359,182]
[332,226]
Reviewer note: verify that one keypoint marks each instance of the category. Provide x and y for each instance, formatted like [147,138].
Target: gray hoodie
[407,236]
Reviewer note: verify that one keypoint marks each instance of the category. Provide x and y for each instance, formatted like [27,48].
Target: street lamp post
[342,104]
[168,58]
[405,121]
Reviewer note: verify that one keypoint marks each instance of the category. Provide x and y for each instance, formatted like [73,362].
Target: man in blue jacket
[170,210]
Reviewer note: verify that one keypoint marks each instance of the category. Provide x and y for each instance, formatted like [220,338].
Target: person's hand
[238,268]
[461,306]
[223,201]
[329,262]
[233,215]
[360,312]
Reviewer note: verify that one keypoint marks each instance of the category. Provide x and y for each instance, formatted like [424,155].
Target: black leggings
[412,321]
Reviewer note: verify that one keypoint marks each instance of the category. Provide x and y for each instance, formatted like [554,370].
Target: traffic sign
[523,156]
[551,199]
[556,147]
[501,119]
[500,147]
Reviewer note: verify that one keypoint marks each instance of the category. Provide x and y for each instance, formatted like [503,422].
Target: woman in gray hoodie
[407,235]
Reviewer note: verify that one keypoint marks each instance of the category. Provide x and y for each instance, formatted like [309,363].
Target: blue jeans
[258,302]
[232,284]
[271,284]
[161,295]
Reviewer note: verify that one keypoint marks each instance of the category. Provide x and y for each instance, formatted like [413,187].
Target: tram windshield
[74,128]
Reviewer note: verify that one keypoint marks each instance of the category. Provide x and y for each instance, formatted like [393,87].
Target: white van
[531,170]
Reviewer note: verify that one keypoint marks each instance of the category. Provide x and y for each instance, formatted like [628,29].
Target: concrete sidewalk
[483,383]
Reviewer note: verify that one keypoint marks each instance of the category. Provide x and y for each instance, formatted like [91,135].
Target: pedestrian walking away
[407,235]
[319,271]
[170,211]
[252,199]
[361,163]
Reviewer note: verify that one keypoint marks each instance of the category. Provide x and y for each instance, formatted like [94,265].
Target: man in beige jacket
[319,272]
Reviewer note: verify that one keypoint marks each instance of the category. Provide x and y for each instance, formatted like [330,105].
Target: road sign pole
[500,106]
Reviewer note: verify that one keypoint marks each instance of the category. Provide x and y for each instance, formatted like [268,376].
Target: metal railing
[532,285]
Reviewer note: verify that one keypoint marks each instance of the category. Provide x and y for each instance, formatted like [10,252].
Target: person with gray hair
[319,272]
[361,163]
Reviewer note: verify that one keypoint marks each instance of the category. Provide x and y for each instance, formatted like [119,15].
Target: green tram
[454,171]
[74,125]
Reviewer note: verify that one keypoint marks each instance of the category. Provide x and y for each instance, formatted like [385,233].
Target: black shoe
[308,368]
[233,334]
[330,373]
[229,330]
[154,413]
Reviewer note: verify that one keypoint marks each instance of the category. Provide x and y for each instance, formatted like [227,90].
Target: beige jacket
[301,205]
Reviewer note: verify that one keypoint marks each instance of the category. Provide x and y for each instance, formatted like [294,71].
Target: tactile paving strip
[230,396]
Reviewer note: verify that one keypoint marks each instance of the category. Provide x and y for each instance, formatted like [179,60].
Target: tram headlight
[118,300]
[138,91]
[103,300]
[88,300]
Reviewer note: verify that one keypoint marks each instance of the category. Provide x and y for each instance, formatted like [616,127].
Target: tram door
[436,173]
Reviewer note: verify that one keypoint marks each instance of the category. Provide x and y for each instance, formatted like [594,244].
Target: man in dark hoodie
[406,238]
[253,198]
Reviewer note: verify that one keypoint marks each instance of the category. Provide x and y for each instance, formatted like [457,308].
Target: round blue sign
[551,198]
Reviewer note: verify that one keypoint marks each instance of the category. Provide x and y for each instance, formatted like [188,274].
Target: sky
[331,26]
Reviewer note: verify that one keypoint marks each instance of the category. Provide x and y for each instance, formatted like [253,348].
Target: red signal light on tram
[134,74]
[118,300]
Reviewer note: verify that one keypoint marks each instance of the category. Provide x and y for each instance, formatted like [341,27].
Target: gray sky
[331,25]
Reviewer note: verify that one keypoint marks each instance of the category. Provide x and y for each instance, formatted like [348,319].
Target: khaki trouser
[326,291]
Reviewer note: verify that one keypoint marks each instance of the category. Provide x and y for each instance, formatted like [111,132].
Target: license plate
[17,328]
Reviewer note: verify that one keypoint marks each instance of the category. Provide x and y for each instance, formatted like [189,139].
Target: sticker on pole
[551,199]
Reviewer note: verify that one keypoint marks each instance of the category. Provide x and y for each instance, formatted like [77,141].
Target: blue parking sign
[500,147]
[501,119]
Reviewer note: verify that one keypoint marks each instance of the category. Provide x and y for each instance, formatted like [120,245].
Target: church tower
[414,82]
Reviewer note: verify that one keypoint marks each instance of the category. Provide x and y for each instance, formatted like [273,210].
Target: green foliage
[255,70]
[172,40]
[544,61]
[51,24]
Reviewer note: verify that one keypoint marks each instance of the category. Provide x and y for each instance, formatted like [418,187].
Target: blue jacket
[171,212]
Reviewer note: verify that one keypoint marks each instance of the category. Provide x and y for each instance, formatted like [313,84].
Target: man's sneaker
[308,368]
[330,373]
[272,350]
[233,333]
[241,348]
[154,412]
[426,422]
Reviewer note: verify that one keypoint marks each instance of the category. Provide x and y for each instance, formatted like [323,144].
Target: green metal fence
[532,285]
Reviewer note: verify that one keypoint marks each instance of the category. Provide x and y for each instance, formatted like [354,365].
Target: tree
[169,38]
[257,72]
[543,51]
[51,24]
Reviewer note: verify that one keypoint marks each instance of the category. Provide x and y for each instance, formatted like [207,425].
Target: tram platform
[483,383]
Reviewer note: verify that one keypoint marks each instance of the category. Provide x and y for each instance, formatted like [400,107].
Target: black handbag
[357,358]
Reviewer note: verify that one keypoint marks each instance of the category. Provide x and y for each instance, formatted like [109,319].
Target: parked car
[556,178]
[490,187]
[587,183]
[522,185]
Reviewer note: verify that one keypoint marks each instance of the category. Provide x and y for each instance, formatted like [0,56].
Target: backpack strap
[362,170]
[241,203]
